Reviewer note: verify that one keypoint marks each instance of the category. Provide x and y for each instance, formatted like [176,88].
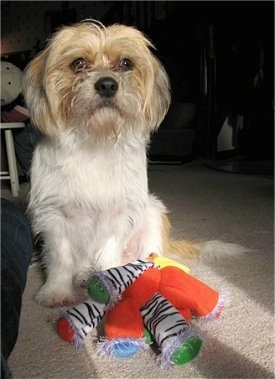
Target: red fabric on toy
[64,329]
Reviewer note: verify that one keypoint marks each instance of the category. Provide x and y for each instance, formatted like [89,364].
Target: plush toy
[76,323]
[143,302]
[12,104]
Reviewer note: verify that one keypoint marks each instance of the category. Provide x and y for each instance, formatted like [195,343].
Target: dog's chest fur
[94,192]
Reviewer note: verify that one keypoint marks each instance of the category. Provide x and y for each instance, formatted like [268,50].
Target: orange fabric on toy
[184,289]
[124,319]
[185,292]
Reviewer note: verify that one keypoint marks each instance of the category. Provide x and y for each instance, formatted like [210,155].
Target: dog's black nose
[106,86]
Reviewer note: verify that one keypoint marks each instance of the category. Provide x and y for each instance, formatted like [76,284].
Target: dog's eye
[125,65]
[78,65]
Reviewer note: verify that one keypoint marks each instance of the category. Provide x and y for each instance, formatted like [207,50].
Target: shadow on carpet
[243,166]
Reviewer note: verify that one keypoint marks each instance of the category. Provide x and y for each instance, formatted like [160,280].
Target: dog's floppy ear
[161,97]
[157,97]
[35,95]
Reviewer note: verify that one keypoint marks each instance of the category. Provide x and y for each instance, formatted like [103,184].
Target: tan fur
[181,248]
[184,248]
[51,89]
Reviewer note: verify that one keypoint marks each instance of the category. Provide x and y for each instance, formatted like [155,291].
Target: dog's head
[96,79]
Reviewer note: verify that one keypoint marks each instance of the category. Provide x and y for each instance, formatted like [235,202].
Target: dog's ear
[160,98]
[35,95]
[161,93]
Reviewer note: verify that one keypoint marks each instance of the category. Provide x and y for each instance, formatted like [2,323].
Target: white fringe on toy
[222,303]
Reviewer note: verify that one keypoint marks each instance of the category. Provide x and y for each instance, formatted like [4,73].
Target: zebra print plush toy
[143,303]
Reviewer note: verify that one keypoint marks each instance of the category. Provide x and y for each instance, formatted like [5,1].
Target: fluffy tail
[206,251]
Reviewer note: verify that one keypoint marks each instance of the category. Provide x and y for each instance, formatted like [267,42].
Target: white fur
[213,250]
[93,209]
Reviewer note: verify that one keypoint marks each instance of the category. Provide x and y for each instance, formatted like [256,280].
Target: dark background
[219,56]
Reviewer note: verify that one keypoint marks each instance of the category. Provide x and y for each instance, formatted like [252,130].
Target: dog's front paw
[55,298]
[82,279]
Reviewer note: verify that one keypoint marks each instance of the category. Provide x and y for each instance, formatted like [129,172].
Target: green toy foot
[98,291]
[148,337]
[187,351]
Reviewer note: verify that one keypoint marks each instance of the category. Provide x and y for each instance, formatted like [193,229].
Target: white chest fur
[94,197]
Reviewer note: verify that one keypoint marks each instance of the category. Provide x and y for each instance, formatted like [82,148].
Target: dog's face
[97,81]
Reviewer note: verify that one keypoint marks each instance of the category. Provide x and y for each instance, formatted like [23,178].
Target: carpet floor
[205,204]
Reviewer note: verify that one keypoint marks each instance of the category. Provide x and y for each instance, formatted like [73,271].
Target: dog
[97,93]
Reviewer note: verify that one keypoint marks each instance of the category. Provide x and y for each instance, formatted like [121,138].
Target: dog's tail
[206,251]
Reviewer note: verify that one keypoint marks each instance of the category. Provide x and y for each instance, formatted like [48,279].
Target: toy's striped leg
[172,334]
[76,323]
[107,286]
[124,330]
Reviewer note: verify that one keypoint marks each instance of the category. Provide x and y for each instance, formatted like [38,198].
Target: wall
[25,22]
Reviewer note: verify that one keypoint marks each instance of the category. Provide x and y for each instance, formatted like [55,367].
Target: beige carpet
[204,204]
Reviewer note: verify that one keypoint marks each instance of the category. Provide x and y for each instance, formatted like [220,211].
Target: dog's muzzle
[106,86]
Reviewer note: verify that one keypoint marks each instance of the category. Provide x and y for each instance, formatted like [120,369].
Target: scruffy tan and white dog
[97,93]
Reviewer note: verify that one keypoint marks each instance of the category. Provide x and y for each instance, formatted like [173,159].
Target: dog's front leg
[58,288]
[151,235]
